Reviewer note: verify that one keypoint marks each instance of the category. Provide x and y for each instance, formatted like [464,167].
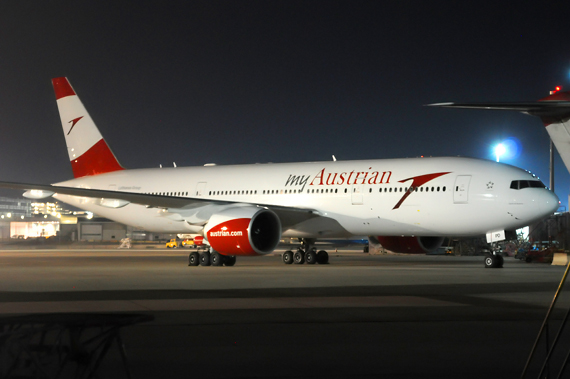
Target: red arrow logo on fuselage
[417,181]
[73,122]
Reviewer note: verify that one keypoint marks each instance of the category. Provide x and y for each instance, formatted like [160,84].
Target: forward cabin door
[200,188]
[356,194]
[461,189]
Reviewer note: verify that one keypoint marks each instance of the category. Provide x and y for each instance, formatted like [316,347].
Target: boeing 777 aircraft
[408,205]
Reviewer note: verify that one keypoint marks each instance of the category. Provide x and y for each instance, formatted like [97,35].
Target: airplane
[408,205]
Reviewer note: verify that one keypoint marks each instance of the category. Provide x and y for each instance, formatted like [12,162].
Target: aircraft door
[356,194]
[200,188]
[461,189]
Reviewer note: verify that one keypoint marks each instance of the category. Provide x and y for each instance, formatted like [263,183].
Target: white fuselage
[455,196]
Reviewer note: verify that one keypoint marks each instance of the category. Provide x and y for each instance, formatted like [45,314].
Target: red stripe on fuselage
[417,182]
[99,159]
[62,88]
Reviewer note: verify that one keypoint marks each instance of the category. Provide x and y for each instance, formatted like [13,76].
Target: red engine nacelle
[409,245]
[244,231]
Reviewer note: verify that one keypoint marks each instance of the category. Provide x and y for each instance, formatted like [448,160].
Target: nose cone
[545,203]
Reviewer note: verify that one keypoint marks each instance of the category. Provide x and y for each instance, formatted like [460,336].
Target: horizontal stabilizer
[553,108]
[547,109]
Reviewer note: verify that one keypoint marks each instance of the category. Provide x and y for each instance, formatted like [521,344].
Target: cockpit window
[520,184]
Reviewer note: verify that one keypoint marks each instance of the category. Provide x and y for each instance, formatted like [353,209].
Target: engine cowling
[244,231]
[409,245]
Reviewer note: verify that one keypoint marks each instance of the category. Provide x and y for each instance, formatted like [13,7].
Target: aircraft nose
[548,203]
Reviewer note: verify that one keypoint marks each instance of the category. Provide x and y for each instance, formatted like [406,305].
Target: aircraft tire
[217,259]
[500,260]
[288,257]
[322,257]
[299,257]
[311,258]
[493,261]
[489,261]
[205,258]
[229,260]
[193,259]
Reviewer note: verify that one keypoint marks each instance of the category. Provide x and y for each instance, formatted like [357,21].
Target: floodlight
[500,149]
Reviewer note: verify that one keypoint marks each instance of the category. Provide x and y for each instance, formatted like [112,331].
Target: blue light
[500,149]
[508,149]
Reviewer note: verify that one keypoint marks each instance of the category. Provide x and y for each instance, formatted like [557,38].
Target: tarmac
[361,316]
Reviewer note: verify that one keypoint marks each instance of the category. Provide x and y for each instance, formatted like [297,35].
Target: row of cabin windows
[242,192]
[326,190]
[294,191]
[167,193]
[415,189]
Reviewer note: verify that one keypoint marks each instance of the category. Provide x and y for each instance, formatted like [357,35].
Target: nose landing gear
[494,259]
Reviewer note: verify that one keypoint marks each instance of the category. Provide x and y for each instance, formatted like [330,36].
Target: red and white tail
[88,152]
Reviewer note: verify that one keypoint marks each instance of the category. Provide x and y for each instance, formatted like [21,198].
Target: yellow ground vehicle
[172,243]
[188,243]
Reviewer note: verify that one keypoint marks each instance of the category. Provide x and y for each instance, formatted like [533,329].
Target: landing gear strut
[306,253]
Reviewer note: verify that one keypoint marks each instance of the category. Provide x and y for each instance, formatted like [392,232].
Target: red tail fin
[89,154]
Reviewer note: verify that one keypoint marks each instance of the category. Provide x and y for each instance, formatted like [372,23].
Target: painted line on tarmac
[219,304]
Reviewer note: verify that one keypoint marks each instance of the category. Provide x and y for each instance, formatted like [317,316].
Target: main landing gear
[210,258]
[306,253]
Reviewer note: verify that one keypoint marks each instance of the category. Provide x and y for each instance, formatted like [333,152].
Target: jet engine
[408,245]
[244,231]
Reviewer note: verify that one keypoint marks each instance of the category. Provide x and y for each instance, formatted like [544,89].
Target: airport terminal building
[24,218]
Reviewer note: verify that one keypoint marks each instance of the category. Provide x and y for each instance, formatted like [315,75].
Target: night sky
[228,82]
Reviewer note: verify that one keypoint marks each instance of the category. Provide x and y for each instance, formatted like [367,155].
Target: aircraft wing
[39,191]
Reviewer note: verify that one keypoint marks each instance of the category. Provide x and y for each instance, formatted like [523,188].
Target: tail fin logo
[73,122]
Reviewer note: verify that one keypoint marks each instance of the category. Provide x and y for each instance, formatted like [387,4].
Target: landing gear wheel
[493,261]
[288,257]
[205,258]
[501,261]
[230,260]
[311,257]
[194,259]
[299,257]
[322,257]
[217,259]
